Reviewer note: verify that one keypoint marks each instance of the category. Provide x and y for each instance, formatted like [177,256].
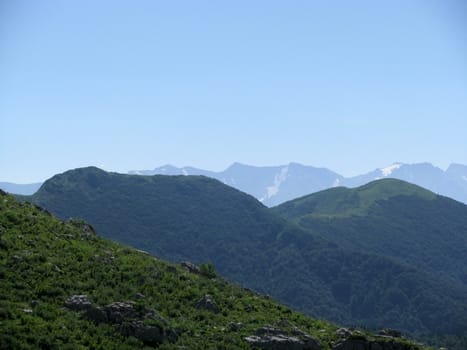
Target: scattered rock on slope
[146,325]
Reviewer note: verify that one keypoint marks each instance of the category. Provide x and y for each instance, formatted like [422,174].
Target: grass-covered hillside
[339,202]
[390,218]
[202,220]
[63,287]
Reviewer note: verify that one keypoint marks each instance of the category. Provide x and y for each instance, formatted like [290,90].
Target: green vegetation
[44,261]
[402,222]
[340,202]
[201,220]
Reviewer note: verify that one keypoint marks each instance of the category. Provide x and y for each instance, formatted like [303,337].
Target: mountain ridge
[273,185]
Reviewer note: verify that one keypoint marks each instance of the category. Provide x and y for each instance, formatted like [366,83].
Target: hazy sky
[348,85]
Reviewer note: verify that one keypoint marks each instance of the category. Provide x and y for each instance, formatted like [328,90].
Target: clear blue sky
[348,85]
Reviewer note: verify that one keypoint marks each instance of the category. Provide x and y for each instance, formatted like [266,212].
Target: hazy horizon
[349,86]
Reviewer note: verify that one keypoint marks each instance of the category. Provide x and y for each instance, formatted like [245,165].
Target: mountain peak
[389,169]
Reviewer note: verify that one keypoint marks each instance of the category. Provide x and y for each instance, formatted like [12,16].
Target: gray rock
[86,229]
[272,338]
[119,311]
[344,332]
[207,303]
[78,302]
[190,267]
[275,342]
[149,334]
[128,320]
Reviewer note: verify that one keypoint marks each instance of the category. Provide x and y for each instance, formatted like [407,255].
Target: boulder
[207,303]
[78,302]
[146,325]
[87,230]
[119,311]
[275,342]
[343,332]
[192,268]
[272,338]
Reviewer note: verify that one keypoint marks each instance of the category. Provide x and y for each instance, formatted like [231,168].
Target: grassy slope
[43,261]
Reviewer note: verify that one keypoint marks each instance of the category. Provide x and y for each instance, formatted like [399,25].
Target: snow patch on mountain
[278,180]
[184,172]
[336,183]
[388,170]
[230,182]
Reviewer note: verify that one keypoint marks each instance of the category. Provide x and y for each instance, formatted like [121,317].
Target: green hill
[341,202]
[63,287]
[390,218]
[202,220]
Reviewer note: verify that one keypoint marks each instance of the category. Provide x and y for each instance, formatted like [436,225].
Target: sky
[125,85]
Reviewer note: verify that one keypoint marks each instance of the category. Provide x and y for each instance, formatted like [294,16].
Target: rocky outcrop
[272,338]
[86,229]
[146,325]
[78,302]
[190,267]
[343,333]
[207,303]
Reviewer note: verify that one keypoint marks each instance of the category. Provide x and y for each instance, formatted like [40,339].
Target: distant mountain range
[388,254]
[25,189]
[273,185]
[277,184]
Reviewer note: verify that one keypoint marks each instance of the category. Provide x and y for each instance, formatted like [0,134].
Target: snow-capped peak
[389,169]
[278,180]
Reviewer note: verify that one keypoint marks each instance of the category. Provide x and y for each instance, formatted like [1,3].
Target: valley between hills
[386,255]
